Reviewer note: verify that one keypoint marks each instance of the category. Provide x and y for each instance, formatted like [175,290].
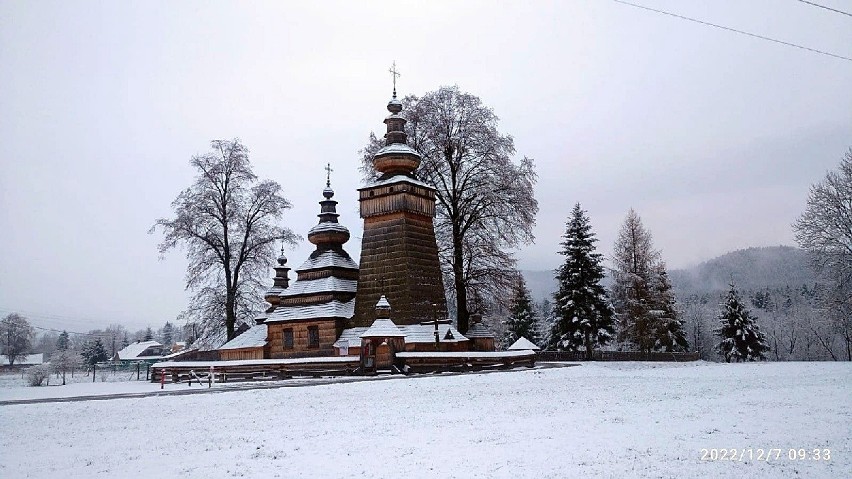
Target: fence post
[163,378]
[94,370]
[137,370]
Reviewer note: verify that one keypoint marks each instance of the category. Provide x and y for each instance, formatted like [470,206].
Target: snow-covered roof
[398,179]
[253,338]
[414,333]
[133,351]
[397,149]
[328,259]
[478,330]
[274,291]
[332,309]
[328,226]
[37,358]
[322,285]
[425,333]
[523,344]
[383,302]
[466,354]
[255,362]
[383,328]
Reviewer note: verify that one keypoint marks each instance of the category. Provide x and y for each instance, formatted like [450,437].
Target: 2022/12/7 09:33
[759,454]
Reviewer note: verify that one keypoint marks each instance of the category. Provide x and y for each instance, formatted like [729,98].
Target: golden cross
[395,74]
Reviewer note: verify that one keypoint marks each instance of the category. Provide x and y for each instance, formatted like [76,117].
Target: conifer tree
[634,256]
[583,317]
[522,319]
[62,342]
[94,352]
[670,335]
[740,336]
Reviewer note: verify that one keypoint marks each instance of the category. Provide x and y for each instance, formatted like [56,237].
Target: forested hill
[751,269]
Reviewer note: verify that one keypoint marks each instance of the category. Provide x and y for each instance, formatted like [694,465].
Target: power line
[733,30]
[827,8]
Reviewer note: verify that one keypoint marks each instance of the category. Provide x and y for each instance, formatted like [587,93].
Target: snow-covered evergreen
[642,294]
[522,319]
[741,339]
[669,335]
[94,352]
[583,317]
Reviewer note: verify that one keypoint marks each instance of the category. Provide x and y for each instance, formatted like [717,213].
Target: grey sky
[711,136]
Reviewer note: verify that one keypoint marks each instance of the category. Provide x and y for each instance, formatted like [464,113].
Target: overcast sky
[713,137]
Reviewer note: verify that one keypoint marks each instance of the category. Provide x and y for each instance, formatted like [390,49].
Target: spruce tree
[94,352]
[167,334]
[522,318]
[669,334]
[583,317]
[740,336]
[62,342]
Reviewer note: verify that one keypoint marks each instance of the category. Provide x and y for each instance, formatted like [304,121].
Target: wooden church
[394,303]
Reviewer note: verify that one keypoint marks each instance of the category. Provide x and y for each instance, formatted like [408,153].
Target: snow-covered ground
[596,420]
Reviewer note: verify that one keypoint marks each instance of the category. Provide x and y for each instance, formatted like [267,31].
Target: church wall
[399,258]
[326,328]
[243,353]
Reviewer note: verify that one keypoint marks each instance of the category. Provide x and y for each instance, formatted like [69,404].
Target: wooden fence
[616,356]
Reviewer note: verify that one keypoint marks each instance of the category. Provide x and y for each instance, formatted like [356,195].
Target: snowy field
[595,420]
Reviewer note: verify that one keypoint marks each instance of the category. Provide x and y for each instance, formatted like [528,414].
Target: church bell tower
[399,254]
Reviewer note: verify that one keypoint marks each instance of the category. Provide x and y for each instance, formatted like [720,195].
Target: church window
[313,337]
[287,336]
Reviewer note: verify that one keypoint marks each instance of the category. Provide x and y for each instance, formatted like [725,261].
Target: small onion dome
[328,192]
[394,105]
[282,260]
[328,233]
[383,308]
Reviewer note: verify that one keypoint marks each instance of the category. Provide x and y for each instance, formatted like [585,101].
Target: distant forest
[778,286]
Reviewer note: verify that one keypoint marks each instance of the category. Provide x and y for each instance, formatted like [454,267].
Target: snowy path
[598,420]
[137,389]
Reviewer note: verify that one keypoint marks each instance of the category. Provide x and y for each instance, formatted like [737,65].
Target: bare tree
[16,337]
[825,231]
[228,222]
[485,201]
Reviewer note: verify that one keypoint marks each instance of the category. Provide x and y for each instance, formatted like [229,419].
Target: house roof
[523,344]
[253,338]
[133,351]
[332,309]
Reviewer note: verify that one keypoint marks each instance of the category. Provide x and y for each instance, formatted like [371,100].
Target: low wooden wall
[224,371]
[471,361]
[616,356]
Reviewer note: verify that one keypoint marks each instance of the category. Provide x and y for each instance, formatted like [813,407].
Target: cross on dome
[328,171]
[395,75]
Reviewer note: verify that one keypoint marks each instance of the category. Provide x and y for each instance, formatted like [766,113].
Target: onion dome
[396,157]
[328,232]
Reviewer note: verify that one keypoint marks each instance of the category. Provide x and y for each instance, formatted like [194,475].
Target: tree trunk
[230,314]
[588,345]
[462,314]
